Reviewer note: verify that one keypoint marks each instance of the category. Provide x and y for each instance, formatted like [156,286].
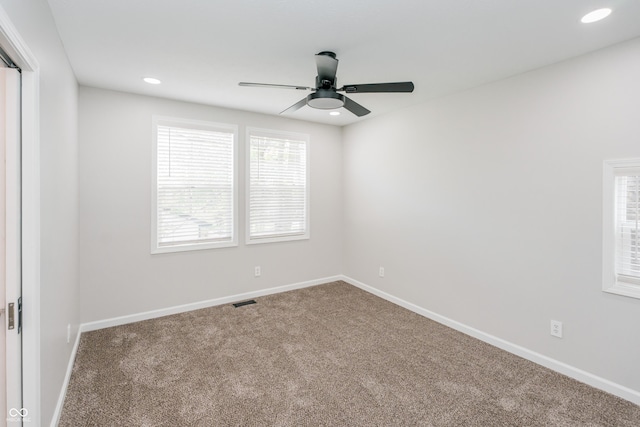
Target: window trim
[610,283]
[277,134]
[201,125]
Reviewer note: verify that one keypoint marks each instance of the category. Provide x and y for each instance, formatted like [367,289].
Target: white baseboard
[65,384]
[123,320]
[555,365]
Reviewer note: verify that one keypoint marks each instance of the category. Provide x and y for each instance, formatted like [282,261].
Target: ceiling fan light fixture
[325,100]
[596,15]
[334,113]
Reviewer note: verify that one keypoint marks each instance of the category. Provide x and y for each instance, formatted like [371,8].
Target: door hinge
[19,315]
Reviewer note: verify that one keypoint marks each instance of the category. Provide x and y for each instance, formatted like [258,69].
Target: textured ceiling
[201,49]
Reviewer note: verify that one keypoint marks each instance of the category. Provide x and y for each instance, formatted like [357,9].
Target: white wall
[486,207]
[59,294]
[118,274]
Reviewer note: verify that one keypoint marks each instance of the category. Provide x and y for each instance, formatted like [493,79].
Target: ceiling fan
[325,95]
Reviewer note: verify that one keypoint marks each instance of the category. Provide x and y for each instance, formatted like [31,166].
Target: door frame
[20,54]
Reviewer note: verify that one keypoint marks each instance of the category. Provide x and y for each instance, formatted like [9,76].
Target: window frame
[610,283]
[307,220]
[196,125]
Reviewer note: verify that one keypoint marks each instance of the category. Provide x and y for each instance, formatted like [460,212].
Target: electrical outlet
[257,271]
[381,272]
[68,333]
[556,328]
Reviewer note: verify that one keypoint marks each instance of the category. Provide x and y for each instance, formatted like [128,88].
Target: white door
[10,249]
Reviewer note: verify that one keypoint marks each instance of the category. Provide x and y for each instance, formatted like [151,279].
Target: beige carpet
[330,355]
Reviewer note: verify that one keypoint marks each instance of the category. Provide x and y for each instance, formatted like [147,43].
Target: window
[277,186]
[621,235]
[194,191]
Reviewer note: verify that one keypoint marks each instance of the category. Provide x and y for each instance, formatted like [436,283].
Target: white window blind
[277,187]
[195,194]
[627,226]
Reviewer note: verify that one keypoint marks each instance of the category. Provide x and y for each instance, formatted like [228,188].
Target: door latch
[11,315]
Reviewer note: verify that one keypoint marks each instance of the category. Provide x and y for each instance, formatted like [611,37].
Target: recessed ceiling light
[334,113]
[596,15]
[152,81]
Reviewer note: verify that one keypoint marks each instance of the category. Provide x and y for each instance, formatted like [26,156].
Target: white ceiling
[201,49]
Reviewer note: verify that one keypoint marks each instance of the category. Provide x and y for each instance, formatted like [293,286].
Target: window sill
[257,241]
[191,247]
[624,289]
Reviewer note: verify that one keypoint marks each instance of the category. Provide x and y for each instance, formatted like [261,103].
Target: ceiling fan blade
[379,87]
[327,66]
[355,108]
[247,84]
[295,106]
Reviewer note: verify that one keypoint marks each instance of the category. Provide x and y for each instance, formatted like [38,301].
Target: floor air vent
[240,304]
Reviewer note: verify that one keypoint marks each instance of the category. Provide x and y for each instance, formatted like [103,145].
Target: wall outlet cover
[556,328]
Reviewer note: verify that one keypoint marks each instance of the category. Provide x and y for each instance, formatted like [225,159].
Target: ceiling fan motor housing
[325,83]
[325,99]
